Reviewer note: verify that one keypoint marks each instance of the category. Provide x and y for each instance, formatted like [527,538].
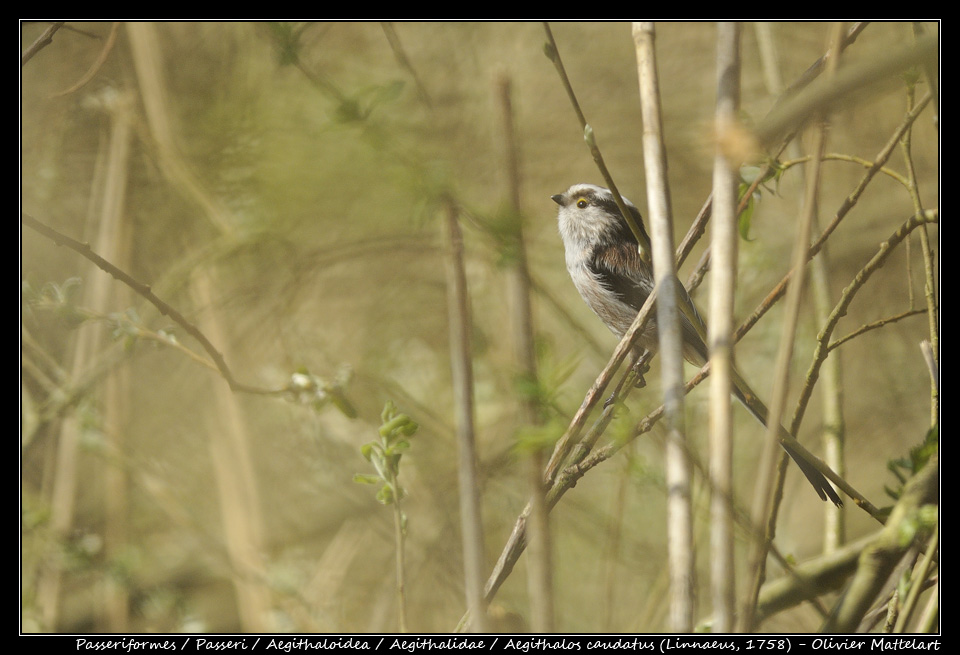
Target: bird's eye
[582,203]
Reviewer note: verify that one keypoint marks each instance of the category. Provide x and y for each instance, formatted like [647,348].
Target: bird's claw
[639,370]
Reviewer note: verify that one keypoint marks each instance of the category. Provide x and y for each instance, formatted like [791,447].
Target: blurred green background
[278,185]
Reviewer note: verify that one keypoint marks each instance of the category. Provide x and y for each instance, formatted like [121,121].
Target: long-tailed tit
[604,261]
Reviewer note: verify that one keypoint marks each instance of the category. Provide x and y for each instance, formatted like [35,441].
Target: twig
[930,72]
[819,65]
[572,433]
[846,297]
[404,61]
[101,58]
[145,291]
[823,94]
[848,203]
[539,556]
[624,386]
[679,510]
[931,364]
[835,156]
[399,539]
[764,508]
[931,613]
[462,372]
[720,329]
[697,275]
[573,451]
[881,557]
[919,578]
[588,135]
[565,478]
[823,574]
[832,433]
[873,326]
[42,41]
[930,282]
[704,215]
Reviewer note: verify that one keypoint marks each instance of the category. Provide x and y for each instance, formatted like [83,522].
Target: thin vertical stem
[929,266]
[720,331]
[554,54]
[228,438]
[918,579]
[235,477]
[539,559]
[462,370]
[679,512]
[878,560]
[763,501]
[116,385]
[929,619]
[461,364]
[764,509]
[834,533]
[106,223]
[399,537]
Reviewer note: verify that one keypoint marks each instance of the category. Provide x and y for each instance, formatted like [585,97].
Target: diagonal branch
[146,292]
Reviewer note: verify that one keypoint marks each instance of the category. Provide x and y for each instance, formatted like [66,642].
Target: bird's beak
[557,199]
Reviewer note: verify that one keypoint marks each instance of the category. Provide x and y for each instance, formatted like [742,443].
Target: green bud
[366,450]
[385,495]
[396,423]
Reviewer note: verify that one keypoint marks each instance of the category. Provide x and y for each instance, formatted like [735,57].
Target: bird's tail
[797,452]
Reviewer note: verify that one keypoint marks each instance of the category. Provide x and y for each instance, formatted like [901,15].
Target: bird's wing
[622,271]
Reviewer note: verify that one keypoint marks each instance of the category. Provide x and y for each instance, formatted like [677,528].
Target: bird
[614,278]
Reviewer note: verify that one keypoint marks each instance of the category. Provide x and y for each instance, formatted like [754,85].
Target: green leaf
[366,450]
[344,405]
[385,495]
[917,525]
[920,455]
[928,515]
[380,464]
[399,446]
[389,410]
[396,423]
[743,222]
[904,468]
[911,76]
[366,479]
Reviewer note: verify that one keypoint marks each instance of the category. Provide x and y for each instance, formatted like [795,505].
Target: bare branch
[146,292]
[42,41]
